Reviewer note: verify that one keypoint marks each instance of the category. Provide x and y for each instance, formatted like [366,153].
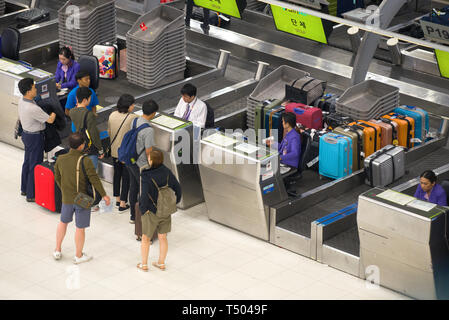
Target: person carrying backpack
[134,150]
[160,194]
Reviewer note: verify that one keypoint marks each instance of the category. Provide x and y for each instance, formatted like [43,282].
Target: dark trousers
[34,155]
[121,178]
[134,188]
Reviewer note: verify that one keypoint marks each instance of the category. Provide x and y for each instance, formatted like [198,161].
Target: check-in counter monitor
[11,72]
[174,137]
[240,180]
[403,243]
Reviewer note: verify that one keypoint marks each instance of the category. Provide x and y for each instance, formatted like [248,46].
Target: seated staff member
[66,69]
[290,147]
[83,79]
[429,190]
[190,108]
[33,119]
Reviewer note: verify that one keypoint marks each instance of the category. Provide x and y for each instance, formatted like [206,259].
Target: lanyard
[186,116]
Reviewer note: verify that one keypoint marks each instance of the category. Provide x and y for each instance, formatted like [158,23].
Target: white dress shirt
[198,111]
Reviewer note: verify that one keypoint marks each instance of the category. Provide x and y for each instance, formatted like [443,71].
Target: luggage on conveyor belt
[108,59]
[334,120]
[309,117]
[335,156]
[261,110]
[389,131]
[371,136]
[312,158]
[326,103]
[32,16]
[356,136]
[273,121]
[305,90]
[47,193]
[406,128]
[385,166]
[421,118]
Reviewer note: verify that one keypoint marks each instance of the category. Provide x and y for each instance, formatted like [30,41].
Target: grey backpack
[166,201]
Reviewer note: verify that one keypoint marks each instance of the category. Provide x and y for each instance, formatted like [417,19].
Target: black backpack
[210,118]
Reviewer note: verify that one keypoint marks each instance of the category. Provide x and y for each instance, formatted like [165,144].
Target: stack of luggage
[156,48]
[97,24]
[368,99]
[271,86]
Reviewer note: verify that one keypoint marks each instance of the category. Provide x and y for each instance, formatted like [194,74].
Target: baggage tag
[395,142]
[431,134]
[415,140]
[311,163]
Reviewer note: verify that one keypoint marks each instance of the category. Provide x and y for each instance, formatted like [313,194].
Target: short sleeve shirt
[31,116]
[71,99]
[145,140]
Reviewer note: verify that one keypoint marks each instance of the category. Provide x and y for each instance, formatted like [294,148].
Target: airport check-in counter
[174,137]
[11,72]
[406,239]
[240,180]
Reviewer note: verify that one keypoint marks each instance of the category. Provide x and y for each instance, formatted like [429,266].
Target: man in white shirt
[190,107]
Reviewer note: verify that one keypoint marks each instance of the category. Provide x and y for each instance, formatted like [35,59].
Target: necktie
[186,113]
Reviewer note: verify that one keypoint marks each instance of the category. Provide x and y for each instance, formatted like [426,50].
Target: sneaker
[30,199]
[23,193]
[57,255]
[121,209]
[132,221]
[84,258]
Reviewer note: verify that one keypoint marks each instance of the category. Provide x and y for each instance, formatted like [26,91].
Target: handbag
[305,90]
[91,197]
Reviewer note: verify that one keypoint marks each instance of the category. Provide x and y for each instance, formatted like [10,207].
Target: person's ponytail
[67,52]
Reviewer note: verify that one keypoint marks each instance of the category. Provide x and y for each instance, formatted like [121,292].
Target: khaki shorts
[151,223]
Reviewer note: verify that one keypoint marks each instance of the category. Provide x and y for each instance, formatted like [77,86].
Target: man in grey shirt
[144,144]
[33,120]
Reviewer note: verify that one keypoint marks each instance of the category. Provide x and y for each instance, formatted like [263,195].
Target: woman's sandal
[143,267]
[160,266]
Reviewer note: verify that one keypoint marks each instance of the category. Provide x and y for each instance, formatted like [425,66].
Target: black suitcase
[311,160]
[334,120]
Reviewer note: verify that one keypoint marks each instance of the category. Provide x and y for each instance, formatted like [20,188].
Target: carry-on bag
[335,156]
[305,90]
[421,118]
[356,136]
[327,102]
[406,128]
[371,136]
[385,166]
[108,59]
[334,120]
[273,121]
[309,117]
[47,193]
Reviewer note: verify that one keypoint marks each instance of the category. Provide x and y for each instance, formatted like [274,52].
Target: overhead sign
[299,23]
[443,62]
[228,7]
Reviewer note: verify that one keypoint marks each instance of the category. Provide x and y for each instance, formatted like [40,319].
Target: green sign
[228,7]
[443,62]
[298,23]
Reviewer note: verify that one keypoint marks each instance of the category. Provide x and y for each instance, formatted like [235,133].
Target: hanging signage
[228,7]
[443,62]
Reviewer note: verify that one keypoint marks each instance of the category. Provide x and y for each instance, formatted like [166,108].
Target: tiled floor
[205,260]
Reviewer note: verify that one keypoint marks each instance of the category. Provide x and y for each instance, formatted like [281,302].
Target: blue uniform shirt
[71,101]
[290,149]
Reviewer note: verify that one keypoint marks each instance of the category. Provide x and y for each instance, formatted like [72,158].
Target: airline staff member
[33,120]
[190,107]
[290,147]
[66,69]
[429,190]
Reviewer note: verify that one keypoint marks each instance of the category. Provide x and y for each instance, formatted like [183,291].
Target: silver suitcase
[385,166]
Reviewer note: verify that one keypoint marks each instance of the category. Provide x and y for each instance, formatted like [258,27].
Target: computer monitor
[233,8]
[443,62]
[301,24]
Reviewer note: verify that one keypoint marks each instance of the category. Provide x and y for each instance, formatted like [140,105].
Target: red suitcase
[310,117]
[47,192]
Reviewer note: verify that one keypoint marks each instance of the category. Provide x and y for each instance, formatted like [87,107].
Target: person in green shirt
[65,177]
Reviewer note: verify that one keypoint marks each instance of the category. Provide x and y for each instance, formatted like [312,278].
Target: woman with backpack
[118,124]
[159,195]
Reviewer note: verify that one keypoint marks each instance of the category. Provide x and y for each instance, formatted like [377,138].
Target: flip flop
[143,267]
[160,266]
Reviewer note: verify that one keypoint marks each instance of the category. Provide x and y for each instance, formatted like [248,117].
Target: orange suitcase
[406,128]
[371,136]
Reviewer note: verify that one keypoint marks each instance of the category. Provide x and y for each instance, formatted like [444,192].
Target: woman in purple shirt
[290,147]
[66,70]
[429,190]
